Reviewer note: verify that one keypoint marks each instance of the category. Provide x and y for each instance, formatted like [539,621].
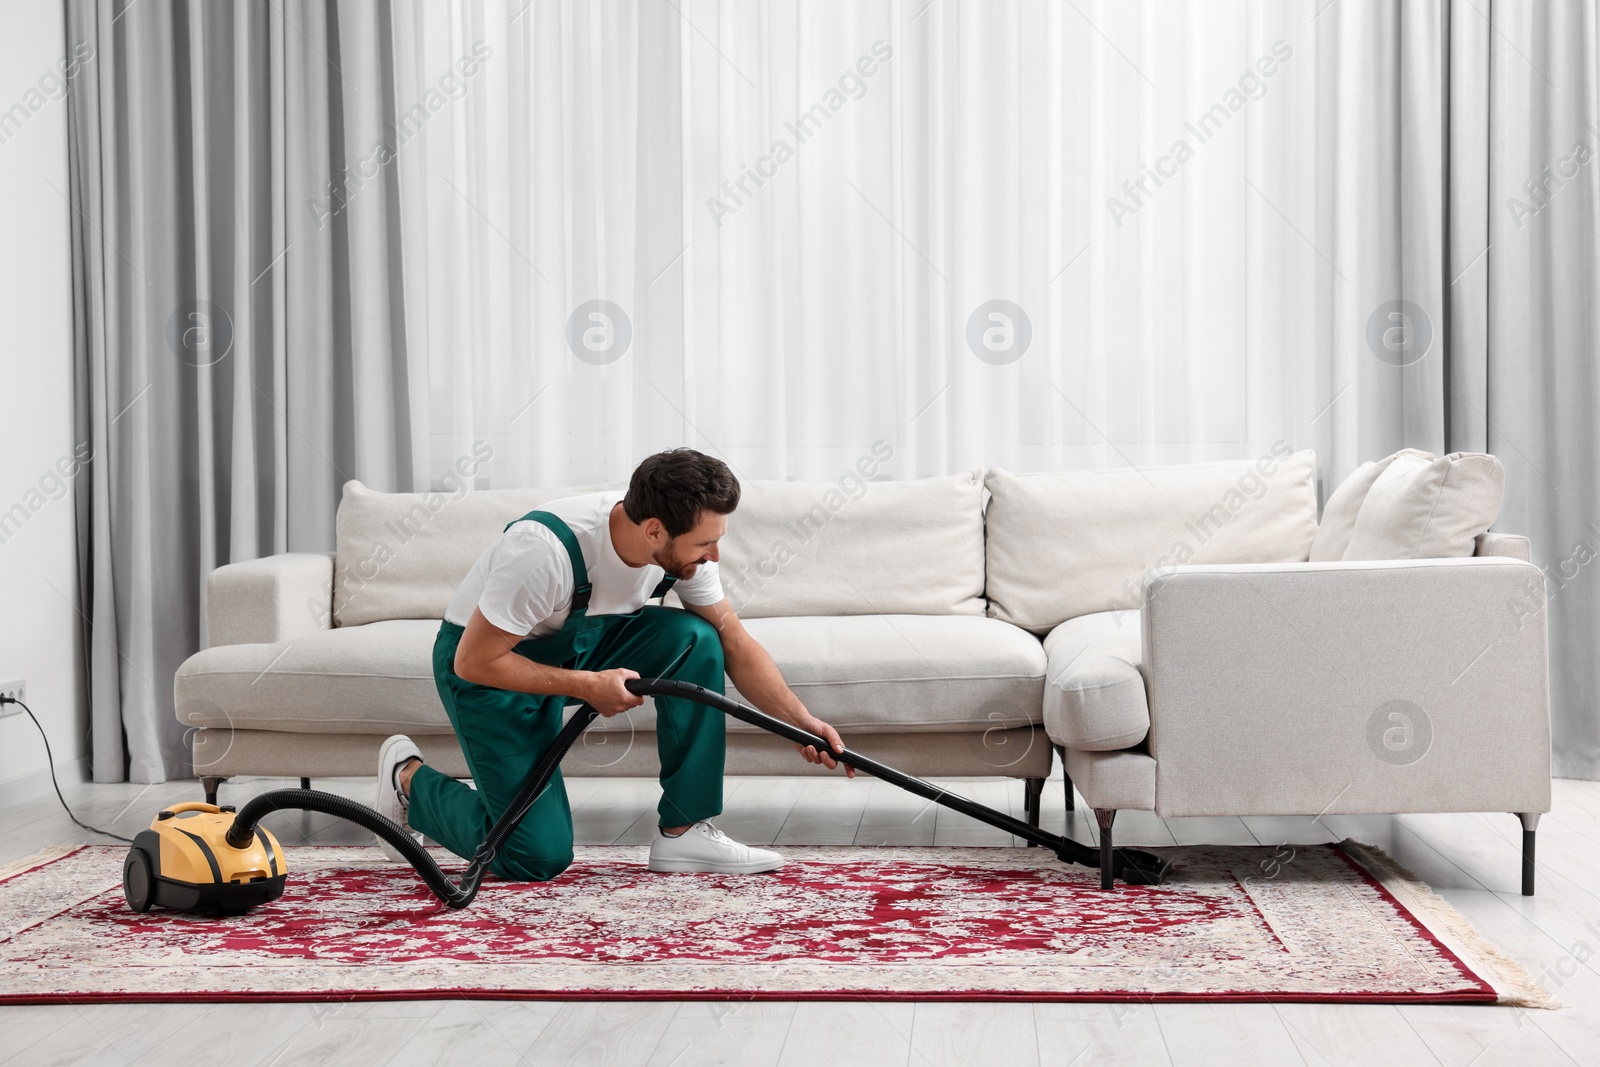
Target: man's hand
[759,680]
[828,734]
[607,694]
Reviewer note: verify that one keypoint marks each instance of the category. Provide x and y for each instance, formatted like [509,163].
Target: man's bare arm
[758,679]
[485,656]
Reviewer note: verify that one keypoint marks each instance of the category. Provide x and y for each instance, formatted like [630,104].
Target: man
[555,609]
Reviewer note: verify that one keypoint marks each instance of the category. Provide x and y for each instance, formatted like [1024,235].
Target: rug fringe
[43,856]
[1513,984]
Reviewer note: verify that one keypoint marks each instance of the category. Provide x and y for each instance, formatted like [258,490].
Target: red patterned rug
[885,923]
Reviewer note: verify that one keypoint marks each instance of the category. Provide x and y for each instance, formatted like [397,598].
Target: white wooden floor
[1471,860]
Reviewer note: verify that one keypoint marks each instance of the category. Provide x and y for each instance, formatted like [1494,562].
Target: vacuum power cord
[50,761]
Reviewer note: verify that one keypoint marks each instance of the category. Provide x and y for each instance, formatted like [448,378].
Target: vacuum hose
[1130,864]
[457,894]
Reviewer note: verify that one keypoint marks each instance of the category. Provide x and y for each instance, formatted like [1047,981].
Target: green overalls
[502,733]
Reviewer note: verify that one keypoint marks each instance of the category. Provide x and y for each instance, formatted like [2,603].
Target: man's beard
[675,568]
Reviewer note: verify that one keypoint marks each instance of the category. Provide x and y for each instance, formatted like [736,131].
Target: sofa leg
[210,782]
[1105,817]
[1032,795]
[305,783]
[1066,779]
[1530,825]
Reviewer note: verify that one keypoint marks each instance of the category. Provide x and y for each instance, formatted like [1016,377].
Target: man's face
[681,556]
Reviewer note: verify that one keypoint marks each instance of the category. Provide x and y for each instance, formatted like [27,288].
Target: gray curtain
[1462,140]
[1510,258]
[238,332]
[1525,377]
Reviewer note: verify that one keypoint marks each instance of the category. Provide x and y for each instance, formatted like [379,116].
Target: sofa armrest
[269,599]
[1503,544]
[1383,686]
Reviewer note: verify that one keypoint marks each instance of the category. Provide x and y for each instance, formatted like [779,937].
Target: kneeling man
[556,609]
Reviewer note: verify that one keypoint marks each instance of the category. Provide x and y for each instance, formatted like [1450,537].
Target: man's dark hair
[675,486]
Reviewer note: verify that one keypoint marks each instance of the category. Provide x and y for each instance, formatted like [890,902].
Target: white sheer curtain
[789,306]
[1353,227]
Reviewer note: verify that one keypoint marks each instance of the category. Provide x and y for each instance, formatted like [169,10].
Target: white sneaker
[390,801]
[703,849]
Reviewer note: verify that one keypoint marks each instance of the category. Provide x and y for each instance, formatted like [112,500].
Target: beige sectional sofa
[1164,629]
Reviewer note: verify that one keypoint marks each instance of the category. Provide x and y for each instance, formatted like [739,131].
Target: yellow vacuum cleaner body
[184,863]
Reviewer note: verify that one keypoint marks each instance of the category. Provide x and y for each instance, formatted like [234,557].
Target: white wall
[39,632]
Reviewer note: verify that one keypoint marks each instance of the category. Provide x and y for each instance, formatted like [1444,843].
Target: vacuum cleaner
[203,858]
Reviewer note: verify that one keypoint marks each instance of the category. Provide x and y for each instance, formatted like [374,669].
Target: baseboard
[26,787]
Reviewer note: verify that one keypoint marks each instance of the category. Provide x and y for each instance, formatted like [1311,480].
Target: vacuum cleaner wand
[1132,865]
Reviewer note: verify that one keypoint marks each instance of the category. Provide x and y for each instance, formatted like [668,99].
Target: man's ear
[655,530]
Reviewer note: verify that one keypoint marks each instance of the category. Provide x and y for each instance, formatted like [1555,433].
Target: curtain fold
[239,345]
[1523,378]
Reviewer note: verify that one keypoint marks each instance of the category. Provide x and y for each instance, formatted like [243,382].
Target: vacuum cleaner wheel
[138,880]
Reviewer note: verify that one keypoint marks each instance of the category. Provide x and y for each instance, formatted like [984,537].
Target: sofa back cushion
[856,547]
[401,555]
[1339,516]
[1061,545]
[1425,506]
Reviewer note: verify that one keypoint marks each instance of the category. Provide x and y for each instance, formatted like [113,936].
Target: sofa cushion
[904,673]
[856,547]
[376,678]
[1339,516]
[1426,507]
[1094,698]
[402,555]
[888,674]
[1069,544]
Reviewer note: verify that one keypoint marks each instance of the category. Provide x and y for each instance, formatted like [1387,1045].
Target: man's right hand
[608,695]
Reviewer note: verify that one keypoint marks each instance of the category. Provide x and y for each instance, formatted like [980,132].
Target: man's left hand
[828,734]
[758,679]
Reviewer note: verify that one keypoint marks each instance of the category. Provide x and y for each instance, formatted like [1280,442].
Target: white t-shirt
[523,582]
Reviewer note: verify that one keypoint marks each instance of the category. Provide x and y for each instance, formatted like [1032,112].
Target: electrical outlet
[16,690]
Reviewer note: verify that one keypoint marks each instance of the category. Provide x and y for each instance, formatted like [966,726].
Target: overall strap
[580,573]
[661,590]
